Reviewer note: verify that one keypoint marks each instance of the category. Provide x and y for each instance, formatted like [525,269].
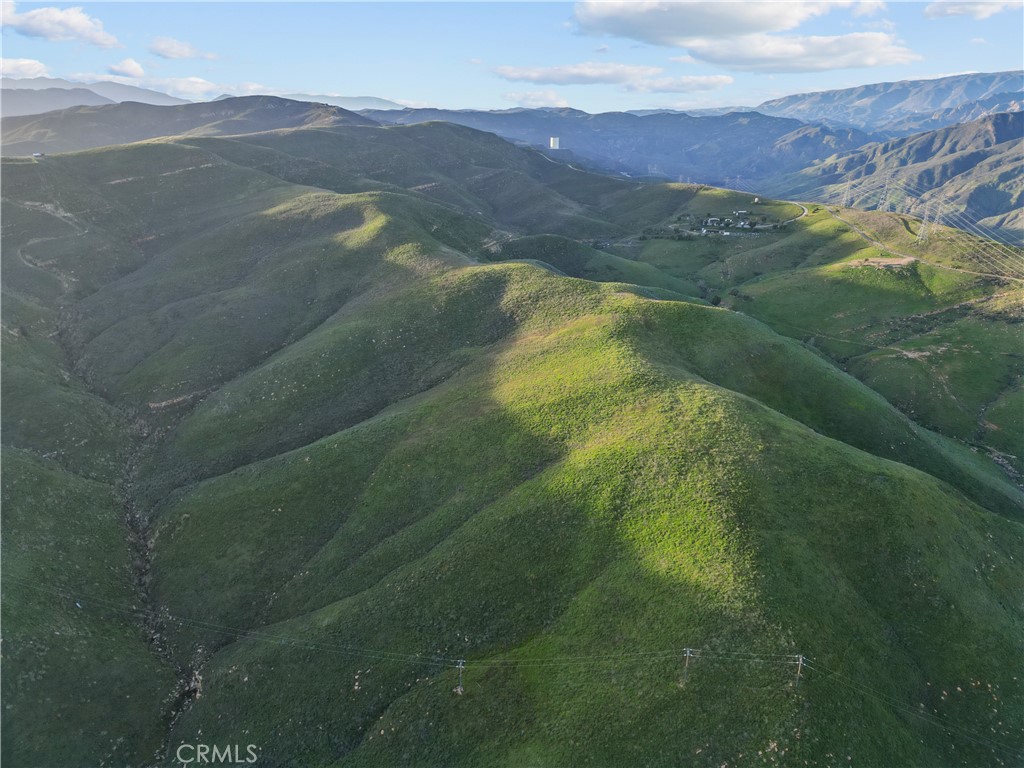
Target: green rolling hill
[296,420]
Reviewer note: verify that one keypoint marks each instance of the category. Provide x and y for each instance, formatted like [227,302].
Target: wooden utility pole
[687,655]
[461,665]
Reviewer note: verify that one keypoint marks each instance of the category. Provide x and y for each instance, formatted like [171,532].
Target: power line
[997,252]
[970,223]
[461,664]
[997,265]
[386,655]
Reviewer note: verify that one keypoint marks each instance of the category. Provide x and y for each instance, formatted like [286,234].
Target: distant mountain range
[36,95]
[87,127]
[964,143]
[353,103]
[104,88]
[964,113]
[971,173]
[904,106]
[710,149]
[15,102]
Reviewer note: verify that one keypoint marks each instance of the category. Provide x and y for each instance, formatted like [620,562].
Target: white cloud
[978,10]
[58,24]
[587,73]
[740,36]
[774,53]
[685,84]
[23,68]
[868,7]
[169,48]
[186,87]
[687,59]
[672,23]
[979,41]
[536,99]
[127,68]
[636,78]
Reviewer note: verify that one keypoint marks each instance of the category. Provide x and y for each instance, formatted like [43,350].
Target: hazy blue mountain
[704,112]
[881,106]
[711,149]
[354,103]
[964,113]
[106,88]
[28,101]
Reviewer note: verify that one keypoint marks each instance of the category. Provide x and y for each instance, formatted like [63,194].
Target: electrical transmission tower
[922,232]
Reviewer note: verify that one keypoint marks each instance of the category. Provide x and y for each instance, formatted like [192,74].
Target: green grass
[573,258]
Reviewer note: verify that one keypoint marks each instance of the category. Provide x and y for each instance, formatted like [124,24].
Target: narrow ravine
[153,619]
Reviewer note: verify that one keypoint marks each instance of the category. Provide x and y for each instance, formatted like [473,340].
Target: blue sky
[596,56]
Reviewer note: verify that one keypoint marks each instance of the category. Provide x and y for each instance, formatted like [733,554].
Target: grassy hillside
[350,434]
[84,682]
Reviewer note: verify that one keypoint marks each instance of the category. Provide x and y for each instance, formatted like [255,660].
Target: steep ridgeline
[362,424]
[963,113]
[906,106]
[710,149]
[972,173]
[79,128]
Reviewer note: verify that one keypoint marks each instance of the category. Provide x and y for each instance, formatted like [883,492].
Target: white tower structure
[553,142]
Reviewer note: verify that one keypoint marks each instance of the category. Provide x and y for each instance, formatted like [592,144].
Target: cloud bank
[58,24]
[169,48]
[536,99]
[978,10]
[747,38]
[23,68]
[127,68]
[631,77]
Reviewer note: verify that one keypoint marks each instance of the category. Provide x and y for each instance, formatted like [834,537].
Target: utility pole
[847,196]
[461,665]
[687,654]
[799,669]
